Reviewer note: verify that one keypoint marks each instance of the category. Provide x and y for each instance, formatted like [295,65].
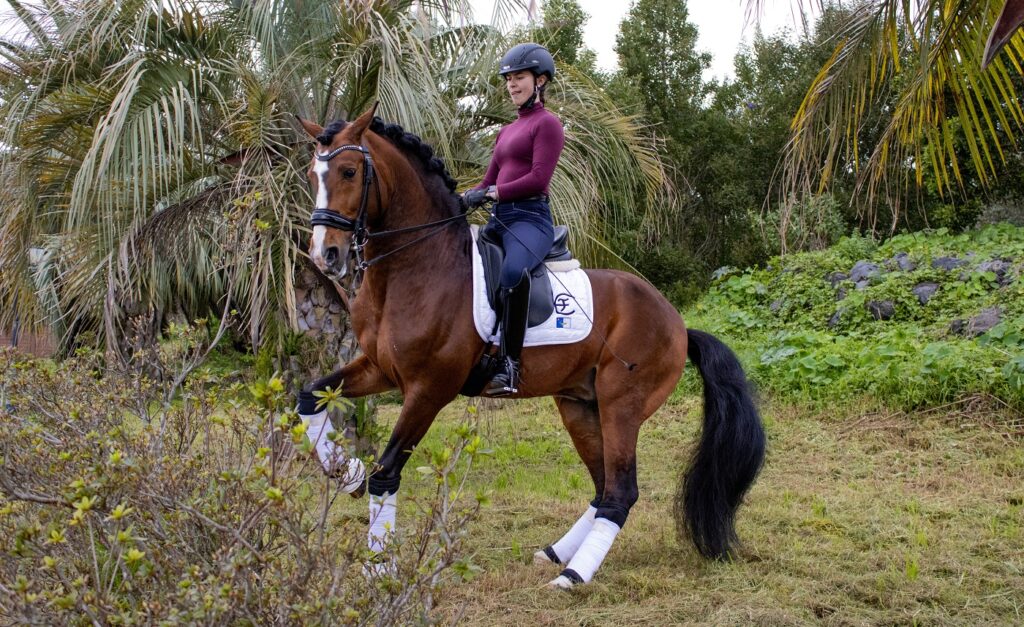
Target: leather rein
[322,216]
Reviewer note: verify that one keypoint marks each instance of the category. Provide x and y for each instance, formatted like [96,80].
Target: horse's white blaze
[316,249]
[320,168]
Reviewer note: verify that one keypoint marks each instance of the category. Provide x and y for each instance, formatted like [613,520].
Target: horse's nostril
[331,255]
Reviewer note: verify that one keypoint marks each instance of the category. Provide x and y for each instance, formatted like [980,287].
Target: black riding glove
[474,198]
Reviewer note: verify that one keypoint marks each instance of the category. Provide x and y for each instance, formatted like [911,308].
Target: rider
[525,155]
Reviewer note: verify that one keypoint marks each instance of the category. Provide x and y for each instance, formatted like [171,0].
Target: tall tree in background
[562,33]
[660,79]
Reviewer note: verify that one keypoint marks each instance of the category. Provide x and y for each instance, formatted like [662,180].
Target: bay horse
[381,194]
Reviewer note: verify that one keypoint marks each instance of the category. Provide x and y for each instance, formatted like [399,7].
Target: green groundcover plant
[805,327]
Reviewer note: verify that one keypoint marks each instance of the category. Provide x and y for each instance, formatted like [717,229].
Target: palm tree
[918,66]
[149,148]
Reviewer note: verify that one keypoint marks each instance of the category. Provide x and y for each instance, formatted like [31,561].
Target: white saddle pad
[574,304]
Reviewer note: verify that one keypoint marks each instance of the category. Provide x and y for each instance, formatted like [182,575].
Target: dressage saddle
[541,300]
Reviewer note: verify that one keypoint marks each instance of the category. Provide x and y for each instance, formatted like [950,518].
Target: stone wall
[322,319]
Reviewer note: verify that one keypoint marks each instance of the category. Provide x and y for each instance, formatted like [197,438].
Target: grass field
[857,519]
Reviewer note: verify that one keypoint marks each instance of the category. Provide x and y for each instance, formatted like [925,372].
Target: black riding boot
[515,308]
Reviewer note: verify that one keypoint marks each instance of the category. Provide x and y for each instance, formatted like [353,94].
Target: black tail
[730,454]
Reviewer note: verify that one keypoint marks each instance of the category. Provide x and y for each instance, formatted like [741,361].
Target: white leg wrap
[350,470]
[567,546]
[591,553]
[382,520]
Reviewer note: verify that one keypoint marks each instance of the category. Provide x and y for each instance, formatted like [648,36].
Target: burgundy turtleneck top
[525,155]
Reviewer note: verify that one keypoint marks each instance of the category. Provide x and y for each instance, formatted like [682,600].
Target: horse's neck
[434,262]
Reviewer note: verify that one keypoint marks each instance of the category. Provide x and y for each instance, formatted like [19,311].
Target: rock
[925,291]
[999,267]
[836,318]
[836,278]
[317,297]
[979,324]
[840,294]
[775,306]
[335,307]
[881,309]
[328,326]
[305,306]
[903,262]
[303,325]
[862,285]
[863,271]
[948,263]
[312,323]
[984,321]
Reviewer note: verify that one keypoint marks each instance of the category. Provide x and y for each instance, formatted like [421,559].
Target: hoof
[377,570]
[351,474]
[546,555]
[560,582]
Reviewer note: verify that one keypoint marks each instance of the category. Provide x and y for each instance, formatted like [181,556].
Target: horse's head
[341,174]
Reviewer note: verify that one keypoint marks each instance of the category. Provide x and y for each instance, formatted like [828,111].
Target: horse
[381,194]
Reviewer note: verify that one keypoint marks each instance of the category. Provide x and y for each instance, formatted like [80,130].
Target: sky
[722,25]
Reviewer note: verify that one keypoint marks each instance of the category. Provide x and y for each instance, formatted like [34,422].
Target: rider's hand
[474,198]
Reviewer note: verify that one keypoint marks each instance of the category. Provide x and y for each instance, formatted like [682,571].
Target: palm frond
[917,67]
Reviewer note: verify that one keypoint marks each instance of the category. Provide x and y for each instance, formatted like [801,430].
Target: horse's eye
[349,173]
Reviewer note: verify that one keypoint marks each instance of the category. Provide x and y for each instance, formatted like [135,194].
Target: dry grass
[857,519]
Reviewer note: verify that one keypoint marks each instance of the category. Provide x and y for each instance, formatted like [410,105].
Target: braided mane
[409,144]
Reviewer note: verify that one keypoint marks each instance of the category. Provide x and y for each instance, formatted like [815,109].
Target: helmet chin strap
[532,99]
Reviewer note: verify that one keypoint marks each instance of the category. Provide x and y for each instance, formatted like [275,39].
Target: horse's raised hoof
[351,475]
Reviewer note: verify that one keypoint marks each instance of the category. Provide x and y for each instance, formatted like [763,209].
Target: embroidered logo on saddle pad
[573,299]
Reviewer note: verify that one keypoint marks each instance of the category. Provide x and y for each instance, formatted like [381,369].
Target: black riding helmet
[528,56]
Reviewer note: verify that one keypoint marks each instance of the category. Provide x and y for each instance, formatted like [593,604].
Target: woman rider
[525,155]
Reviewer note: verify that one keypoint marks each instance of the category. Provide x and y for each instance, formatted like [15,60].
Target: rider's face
[520,85]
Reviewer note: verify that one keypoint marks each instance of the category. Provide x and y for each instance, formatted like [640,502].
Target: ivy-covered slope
[917,320]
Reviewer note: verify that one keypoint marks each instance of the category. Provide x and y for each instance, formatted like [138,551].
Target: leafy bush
[125,501]
[806,331]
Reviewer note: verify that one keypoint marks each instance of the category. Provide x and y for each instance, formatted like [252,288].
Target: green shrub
[126,501]
[797,336]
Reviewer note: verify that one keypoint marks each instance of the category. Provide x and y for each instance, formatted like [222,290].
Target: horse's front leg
[360,377]
[418,413]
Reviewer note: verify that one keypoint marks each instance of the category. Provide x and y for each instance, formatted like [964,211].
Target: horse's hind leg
[583,423]
[619,429]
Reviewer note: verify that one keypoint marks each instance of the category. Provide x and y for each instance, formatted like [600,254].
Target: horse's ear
[363,122]
[312,128]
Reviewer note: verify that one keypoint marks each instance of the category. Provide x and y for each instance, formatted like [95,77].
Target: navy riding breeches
[526,234]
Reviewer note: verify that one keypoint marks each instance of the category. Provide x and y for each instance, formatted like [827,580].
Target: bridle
[322,216]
